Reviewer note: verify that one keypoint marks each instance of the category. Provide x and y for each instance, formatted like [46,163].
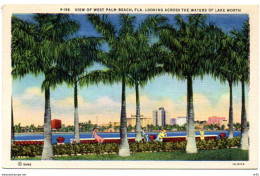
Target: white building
[181,121]
[173,121]
[160,117]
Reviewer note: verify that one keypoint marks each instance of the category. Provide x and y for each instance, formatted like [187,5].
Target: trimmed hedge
[84,149]
[26,150]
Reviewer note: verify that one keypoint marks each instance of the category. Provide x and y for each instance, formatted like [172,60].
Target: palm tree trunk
[76,116]
[12,122]
[244,129]
[124,146]
[230,123]
[191,142]
[47,153]
[138,135]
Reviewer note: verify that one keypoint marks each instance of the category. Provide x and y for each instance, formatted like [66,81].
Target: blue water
[68,136]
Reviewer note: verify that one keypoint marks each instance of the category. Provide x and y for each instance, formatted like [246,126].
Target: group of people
[162,134]
[101,140]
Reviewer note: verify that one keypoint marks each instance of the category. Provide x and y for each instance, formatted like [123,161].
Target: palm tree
[139,76]
[186,47]
[46,35]
[118,60]
[144,66]
[77,55]
[123,49]
[227,72]
[20,54]
[224,67]
[242,54]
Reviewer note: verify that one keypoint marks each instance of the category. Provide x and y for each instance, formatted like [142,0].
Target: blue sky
[210,96]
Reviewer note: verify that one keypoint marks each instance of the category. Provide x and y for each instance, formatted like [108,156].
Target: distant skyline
[211,98]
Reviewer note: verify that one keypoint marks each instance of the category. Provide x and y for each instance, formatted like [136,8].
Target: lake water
[69,136]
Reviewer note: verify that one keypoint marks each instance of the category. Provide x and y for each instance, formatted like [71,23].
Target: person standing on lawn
[96,136]
[201,134]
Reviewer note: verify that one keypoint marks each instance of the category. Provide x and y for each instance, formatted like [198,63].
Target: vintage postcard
[130,86]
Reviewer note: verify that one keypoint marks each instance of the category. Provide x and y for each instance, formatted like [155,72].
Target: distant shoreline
[102,132]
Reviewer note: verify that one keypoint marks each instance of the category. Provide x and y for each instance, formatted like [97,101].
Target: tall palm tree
[119,60]
[20,54]
[77,55]
[227,72]
[187,50]
[46,35]
[145,62]
[224,65]
[123,49]
[143,69]
[242,54]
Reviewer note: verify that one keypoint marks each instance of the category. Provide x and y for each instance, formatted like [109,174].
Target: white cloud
[32,92]
[106,101]
[31,106]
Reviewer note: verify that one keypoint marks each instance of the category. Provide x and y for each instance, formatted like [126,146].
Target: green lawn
[220,154]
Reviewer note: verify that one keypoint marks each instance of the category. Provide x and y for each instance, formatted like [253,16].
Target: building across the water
[55,124]
[216,120]
[173,121]
[144,120]
[160,117]
[181,121]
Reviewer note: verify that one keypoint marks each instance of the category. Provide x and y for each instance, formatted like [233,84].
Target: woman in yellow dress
[201,134]
[162,134]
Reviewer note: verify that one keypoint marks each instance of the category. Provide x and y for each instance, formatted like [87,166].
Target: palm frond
[103,25]
[55,76]
[99,76]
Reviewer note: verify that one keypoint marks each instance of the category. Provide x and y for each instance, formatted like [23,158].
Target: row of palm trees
[192,49]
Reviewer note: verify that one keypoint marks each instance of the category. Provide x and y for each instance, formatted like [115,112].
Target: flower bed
[28,142]
[106,140]
[84,148]
[183,138]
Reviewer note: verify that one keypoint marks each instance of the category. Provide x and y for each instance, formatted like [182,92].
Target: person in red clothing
[96,136]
